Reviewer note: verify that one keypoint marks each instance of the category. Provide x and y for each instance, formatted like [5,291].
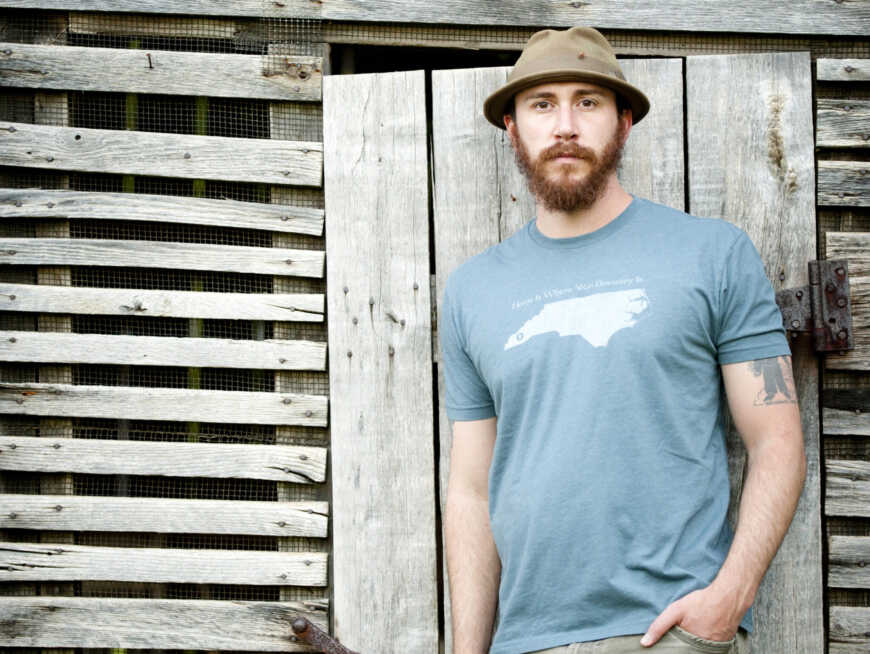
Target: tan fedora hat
[576,54]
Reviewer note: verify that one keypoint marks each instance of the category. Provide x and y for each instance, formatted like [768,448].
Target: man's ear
[510,126]
[628,122]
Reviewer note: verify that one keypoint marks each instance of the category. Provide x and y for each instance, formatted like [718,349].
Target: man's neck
[558,224]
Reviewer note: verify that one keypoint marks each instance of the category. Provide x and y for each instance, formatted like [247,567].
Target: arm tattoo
[778,381]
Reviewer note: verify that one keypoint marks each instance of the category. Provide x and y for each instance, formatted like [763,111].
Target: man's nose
[566,126]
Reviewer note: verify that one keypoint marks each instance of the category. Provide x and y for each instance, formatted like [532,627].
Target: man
[585,358]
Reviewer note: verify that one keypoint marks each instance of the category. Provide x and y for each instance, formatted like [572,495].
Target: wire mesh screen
[275,42]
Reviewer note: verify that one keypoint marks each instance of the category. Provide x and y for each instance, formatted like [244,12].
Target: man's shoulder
[689,225]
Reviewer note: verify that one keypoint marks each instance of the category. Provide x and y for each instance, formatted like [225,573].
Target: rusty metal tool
[311,635]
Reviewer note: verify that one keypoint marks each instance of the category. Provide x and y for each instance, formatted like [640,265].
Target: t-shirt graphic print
[594,317]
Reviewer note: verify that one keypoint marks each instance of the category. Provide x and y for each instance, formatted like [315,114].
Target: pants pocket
[702,644]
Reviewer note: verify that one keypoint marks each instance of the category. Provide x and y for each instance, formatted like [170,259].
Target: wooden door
[728,136]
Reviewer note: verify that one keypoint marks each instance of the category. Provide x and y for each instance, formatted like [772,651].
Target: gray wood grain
[842,123]
[73,68]
[162,155]
[843,70]
[845,423]
[849,628]
[755,167]
[21,562]
[163,515]
[801,17]
[383,477]
[255,8]
[110,622]
[297,307]
[844,183]
[847,488]
[137,403]
[159,254]
[653,162]
[286,463]
[764,16]
[161,351]
[38,203]
[855,248]
[82,22]
[848,559]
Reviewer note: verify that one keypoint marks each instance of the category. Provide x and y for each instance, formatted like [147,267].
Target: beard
[556,190]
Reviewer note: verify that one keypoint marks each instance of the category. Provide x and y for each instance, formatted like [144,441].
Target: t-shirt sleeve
[750,323]
[466,395]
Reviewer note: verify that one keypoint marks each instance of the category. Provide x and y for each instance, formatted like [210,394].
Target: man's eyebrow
[549,94]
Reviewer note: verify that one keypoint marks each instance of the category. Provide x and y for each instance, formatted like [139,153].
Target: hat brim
[495,104]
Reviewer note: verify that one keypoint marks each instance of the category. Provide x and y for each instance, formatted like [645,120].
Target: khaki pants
[676,641]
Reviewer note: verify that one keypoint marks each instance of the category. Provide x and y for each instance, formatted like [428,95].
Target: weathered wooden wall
[842,140]
[236,507]
[385,536]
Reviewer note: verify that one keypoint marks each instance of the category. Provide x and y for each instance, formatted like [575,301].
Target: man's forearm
[474,570]
[775,477]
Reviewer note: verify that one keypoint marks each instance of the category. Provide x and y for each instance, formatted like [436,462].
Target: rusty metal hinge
[822,308]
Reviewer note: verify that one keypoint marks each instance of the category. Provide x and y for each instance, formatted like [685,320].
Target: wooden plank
[23,562]
[847,488]
[381,370]
[848,559]
[845,423]
[653,163]
[164,515]
[850,626]
[842,123]
[178,26]
[110,622]
[844,183]
[286,463]
[137,403]
[299,307]
[75,68]
[756,167]
[677,15]
[763,16]
[853,247]
[37,203]
[162,351]
[159,254]
[162,155]
[802,17]
[254,8]
[843,70]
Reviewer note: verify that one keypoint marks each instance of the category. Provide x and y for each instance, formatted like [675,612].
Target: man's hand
[709,613]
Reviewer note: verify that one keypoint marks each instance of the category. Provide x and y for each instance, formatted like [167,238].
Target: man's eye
[587,103]
[541,104]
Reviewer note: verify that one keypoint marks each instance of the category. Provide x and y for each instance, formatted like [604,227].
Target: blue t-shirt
[600,355]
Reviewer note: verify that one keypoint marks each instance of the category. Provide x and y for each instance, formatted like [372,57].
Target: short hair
[622,105]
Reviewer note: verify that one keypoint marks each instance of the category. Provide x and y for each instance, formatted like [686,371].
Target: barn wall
[164,312]
[156,259]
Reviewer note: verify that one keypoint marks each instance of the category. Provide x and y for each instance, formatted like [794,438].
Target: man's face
[568,139]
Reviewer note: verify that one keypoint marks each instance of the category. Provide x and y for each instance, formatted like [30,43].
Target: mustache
[567,150]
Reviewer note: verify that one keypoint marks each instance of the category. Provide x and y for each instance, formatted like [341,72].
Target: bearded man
[585,359]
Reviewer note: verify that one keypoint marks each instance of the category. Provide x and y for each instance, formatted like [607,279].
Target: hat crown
[575,45]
